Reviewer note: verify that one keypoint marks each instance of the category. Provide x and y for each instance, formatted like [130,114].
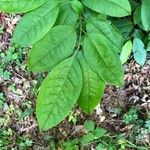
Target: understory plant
[78,42]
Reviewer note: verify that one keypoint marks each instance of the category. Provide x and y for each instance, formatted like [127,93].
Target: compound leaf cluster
[77,43]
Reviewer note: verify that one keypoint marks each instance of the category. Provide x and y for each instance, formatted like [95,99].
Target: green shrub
[79,42]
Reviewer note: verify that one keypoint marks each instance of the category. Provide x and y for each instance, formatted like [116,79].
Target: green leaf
[139,51]
[92,89]
[107,29]
[148,46]
[99,132]
[100,147]
[71,145]
[58,93]
[77,6]
[87,138]
[67,16]
[139,34]
[145,13]
[91,14]
[89,125]
[103,59]
[34,25]
[137,17]
[134,4]
[125,27]
[57,45]
[116,8]
[20,6]
[126,51]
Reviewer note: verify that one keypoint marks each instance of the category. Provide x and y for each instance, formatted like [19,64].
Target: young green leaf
[145,13]
[30,30]
[107,29]
[92,89]
[18,6]
[89,125]
[58,93]
[126,51]
[103,59]
[99,132]
[67,16]
[57,45]
[86,139]
[116,8]
[139,51]
[77,6]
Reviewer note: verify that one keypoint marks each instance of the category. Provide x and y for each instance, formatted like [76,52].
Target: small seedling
[131,116]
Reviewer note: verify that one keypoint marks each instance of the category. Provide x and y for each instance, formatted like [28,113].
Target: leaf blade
[145,14]
[126,51]
[17,6]
[114,8]
[67,16]
[58,93]
[30,30]
[107,29]
[103,59]
[139,51]
[92,88]
[57,45]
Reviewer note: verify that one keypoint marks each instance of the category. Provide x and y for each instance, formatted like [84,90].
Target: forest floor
[123,112]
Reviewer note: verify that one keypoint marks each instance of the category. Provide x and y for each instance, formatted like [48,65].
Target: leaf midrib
[65,79]
[103,59]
